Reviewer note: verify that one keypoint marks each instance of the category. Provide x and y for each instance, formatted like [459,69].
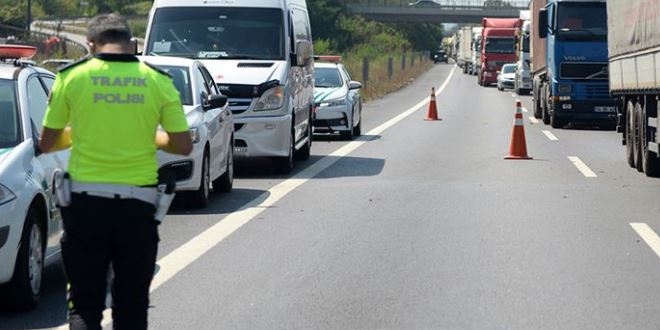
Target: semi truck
[634,50]
[498,47]
[569,62]
[464,56]
[523,80]
[475,50]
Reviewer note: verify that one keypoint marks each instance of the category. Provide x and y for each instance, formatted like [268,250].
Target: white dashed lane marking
[586,171]
[550,136]
[648,235]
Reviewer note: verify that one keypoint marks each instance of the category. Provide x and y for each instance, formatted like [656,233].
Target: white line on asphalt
[586,171]
[192,250]
[550,136]
[533,120]
[524,109]
[648,235]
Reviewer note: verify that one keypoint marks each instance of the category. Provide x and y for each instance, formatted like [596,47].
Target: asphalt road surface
[416,225]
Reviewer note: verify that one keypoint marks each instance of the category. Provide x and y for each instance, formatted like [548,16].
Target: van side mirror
[542,26]
[215,101]
[302,54]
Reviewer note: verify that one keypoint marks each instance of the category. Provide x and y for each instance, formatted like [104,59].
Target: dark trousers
[99,232]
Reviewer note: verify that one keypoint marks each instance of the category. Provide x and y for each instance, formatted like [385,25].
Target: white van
[260,54]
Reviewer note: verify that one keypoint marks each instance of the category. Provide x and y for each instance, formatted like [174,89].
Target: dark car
[439,56]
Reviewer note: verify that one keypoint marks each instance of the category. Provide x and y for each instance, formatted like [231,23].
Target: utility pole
[29,14]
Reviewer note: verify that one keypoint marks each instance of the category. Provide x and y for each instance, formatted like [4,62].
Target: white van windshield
[217,32]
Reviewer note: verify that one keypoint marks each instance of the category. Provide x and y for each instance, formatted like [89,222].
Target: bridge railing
[462,4]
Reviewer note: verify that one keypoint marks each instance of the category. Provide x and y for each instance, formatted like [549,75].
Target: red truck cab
[498,46]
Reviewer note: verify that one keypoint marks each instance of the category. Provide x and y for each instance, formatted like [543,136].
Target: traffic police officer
[107,108]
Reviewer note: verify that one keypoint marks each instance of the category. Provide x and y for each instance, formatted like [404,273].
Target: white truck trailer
[464,56]
[634,71]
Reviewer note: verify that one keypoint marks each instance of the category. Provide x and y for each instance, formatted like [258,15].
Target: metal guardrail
[458,4]
[37,38]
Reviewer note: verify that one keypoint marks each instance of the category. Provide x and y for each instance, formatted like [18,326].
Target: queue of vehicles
[583,61]
[242,97]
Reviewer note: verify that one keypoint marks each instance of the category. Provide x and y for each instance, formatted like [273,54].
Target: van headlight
[6,195]
[271,99]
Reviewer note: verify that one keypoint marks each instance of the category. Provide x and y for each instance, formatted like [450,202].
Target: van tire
[306,151]
[284,165]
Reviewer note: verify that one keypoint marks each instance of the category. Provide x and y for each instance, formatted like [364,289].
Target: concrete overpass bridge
[438,11]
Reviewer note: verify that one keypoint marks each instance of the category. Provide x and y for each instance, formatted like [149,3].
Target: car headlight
[334,103]
[271,99]
[194,134]
[6,195]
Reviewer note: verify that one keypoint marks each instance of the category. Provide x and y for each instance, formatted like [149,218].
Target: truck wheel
[637,137]
[544,113]
[630,155]
[650,161]
[555,122]
[537,107]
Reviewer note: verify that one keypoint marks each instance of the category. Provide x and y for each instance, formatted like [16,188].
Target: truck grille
[597,71]
[599,91]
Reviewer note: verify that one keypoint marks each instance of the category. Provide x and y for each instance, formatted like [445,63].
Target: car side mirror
[215,101]
[354,85]
[134,46]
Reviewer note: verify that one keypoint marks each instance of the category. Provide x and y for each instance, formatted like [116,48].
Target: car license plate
[604,109]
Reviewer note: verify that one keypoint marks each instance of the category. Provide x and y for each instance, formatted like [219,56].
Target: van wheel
[24,289]
[200,198]
[306,150]
[225,182]
[284,165]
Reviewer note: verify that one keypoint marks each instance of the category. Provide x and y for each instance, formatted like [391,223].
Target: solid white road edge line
[648,235]
[192,250]
[550,136]
[586,171]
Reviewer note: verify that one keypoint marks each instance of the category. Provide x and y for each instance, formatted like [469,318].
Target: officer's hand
[55,139]
[174,143]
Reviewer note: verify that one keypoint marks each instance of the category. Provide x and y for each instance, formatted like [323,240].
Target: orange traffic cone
[432,114]
[518,148]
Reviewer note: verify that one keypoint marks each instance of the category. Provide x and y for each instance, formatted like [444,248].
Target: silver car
[211,163]
[30,222]
[337,99]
